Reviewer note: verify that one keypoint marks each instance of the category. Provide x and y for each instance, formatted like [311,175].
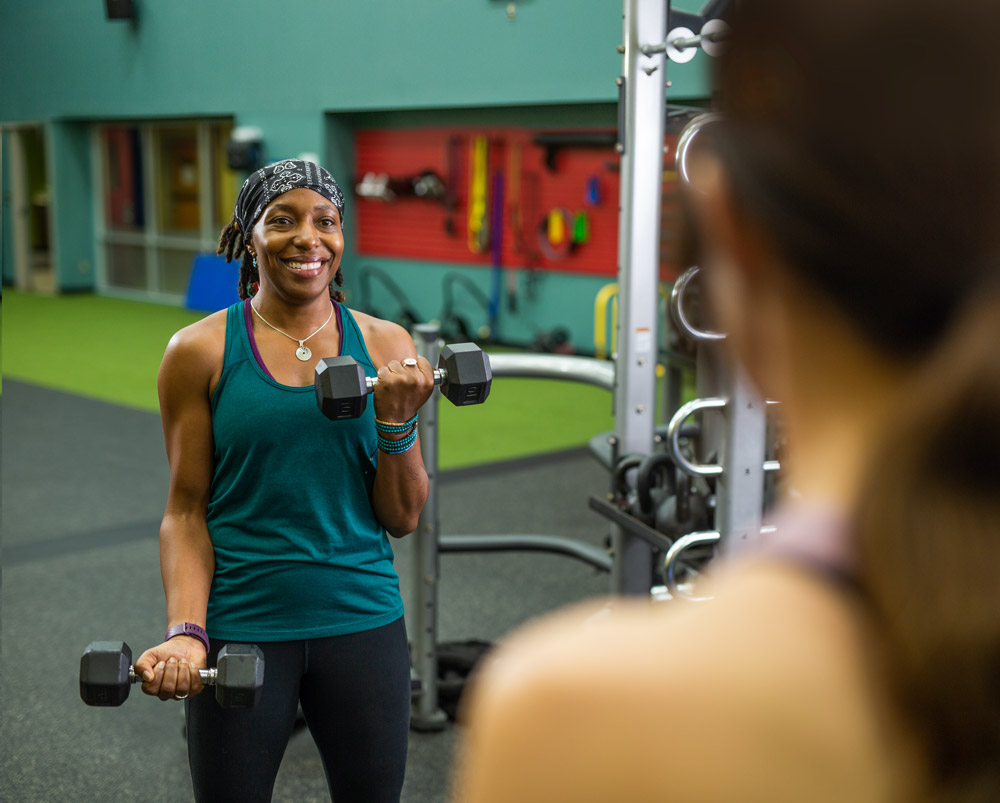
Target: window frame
[152,239]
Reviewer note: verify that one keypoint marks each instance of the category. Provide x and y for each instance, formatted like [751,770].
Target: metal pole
[644,22]
[740,490]
[425,714]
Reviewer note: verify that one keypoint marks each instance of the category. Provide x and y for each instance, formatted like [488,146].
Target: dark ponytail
[231,246]
[832,151]
[928,529]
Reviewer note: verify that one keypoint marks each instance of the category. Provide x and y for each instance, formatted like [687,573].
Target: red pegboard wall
[419,229]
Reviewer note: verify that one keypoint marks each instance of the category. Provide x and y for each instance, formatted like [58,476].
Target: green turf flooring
[104,348]
[110,349]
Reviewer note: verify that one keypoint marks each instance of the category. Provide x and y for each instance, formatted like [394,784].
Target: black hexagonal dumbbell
[342,388]
[106,674]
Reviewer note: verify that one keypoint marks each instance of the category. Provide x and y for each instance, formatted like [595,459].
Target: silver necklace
[302,352]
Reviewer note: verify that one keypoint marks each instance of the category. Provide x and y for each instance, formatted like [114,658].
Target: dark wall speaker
[244,156]
[120,9]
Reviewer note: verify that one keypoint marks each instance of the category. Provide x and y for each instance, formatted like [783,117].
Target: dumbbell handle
[440,377]
[208,676]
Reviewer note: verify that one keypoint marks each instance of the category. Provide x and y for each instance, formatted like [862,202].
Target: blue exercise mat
[213,283]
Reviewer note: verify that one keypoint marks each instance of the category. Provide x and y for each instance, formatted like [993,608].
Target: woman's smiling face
[298,242]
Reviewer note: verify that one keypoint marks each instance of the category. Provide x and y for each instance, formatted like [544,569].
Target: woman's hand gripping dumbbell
[106,674]
[342,388]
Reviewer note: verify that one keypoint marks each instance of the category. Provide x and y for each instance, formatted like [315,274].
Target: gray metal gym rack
[422,619]
[739,436]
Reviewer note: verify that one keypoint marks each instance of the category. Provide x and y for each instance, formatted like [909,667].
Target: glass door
[163,191]
[30,207]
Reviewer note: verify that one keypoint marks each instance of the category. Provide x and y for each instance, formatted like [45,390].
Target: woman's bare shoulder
[198,346]
[770,605]
[201,332]
[771,671]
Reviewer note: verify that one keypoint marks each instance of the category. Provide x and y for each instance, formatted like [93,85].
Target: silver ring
[409,362]
[181,696]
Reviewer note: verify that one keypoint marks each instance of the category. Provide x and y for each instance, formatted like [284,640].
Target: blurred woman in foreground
[849,214]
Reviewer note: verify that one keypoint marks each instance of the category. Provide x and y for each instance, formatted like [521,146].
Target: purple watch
[188,629]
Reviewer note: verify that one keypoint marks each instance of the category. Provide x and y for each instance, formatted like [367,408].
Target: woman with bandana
[275,529]
[851,253]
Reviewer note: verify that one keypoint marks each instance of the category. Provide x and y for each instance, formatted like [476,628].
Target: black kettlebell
[625,495]
[684,512]
[655,481]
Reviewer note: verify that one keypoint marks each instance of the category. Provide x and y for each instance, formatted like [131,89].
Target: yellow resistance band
[479,231]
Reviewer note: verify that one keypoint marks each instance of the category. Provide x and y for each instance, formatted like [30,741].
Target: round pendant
[303,353]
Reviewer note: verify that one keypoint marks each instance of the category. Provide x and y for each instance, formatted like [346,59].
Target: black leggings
[355,694]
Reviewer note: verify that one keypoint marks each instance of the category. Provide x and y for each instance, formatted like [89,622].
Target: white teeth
[304,265]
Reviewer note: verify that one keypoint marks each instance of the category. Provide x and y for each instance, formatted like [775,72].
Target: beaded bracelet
[394,429]
[396,447]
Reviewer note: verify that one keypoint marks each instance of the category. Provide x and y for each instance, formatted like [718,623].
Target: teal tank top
[298,551]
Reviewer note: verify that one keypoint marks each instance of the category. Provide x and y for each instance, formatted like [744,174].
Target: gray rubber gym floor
[84,485]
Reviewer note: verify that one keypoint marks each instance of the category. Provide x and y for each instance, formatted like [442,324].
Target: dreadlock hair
[231,245]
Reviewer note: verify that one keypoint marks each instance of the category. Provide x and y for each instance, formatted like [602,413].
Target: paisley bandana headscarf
[266,184]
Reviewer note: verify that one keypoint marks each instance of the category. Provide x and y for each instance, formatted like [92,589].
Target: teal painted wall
[72,215]
[62,58]
[309,74]
[544,300]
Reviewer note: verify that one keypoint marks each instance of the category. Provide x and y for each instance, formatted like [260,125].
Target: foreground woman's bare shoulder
[763,693]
